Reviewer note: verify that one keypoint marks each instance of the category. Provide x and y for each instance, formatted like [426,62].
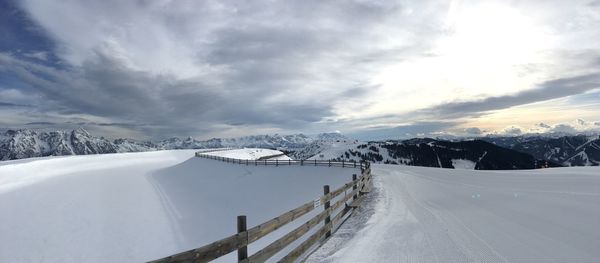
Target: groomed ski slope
[135,207]
[443,215]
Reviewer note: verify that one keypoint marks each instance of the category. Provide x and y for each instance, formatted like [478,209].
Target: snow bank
[332,150]
[445,215]
[137,207]
[463,164]
[250,154]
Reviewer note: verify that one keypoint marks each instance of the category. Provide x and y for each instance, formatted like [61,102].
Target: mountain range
[577,150]
[469,154]
[519,152]
[25,143]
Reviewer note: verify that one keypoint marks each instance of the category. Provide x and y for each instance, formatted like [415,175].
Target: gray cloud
[417,129]
[9,104]
[249,72]
[473,131]
[564,128]
[543,125]
[548,90]
[594,3]
[40,123]
[512,131]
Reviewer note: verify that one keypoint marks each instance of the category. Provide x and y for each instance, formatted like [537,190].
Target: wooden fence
[353,191]
[263,161]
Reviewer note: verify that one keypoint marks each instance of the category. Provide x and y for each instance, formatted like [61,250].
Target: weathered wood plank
[310,242]
[337,192]
[211,251]
[272,249]
[287,239]
[307,244]
[342,189]
[264,229]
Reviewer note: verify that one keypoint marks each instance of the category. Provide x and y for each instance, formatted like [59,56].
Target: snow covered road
[443,215]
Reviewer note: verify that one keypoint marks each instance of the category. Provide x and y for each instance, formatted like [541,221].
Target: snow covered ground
[332,150]
[134,207]
[442,215]
[463,164]
[249,154]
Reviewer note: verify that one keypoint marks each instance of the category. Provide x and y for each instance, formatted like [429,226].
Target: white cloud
[512,131]
[564,128]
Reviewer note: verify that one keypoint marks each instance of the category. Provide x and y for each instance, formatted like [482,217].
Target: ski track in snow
[441,215]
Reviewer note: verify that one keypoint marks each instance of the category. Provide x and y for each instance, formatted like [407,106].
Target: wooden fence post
[326,206]
[241,227]
[354,187]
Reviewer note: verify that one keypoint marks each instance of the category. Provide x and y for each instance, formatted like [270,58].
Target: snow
[325,149]
[332,150]
[421,214]
[463,164]
[250,154]
[135,207]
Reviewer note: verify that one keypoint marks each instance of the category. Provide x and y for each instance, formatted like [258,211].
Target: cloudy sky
[371,69]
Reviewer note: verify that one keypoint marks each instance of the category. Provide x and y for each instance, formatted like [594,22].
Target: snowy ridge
[323,149]
[578,150]
[27,143]
[246,154]
[19,144]
[250,156]
[431,153]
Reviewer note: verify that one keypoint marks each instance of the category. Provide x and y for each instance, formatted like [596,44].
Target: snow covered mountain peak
[331,136]
[25,143]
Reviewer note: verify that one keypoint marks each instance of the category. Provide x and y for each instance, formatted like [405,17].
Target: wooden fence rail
[261,161]
[357,188]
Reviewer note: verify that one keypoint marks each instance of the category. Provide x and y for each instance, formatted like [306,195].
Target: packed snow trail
[444,215]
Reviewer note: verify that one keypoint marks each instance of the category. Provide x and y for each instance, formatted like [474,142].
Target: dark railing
[266,161]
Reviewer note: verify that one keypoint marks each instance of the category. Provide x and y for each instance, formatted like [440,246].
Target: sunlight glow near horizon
[484,53]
